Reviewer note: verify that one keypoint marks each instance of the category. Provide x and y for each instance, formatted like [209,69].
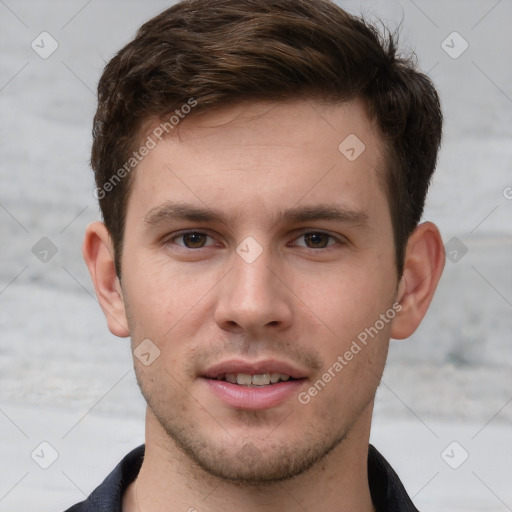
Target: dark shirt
[388,493]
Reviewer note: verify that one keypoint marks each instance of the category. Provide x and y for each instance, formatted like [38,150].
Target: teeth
[243,379]
[262,379]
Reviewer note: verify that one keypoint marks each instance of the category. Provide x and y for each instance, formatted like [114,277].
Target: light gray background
[66,380]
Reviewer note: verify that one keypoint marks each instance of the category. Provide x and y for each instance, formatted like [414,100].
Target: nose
[252,298]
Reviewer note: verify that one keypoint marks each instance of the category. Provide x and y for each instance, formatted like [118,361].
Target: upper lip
[253,368]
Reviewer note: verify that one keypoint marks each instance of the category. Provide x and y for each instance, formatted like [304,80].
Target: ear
[98,253]
[423,266]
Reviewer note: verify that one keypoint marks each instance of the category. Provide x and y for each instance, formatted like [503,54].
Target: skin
[303,300]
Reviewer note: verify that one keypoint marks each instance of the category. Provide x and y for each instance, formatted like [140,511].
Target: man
[261,167]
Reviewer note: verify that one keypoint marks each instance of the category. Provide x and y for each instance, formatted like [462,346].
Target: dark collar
[388,493]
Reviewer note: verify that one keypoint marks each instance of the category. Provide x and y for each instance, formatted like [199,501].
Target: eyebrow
[170,211]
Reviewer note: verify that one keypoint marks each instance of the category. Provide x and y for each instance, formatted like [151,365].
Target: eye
[317,240]
[189,239]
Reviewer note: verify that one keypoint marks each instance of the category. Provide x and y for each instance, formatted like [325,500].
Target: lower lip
[254,397]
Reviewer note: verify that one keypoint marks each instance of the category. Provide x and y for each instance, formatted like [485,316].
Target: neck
[167,476]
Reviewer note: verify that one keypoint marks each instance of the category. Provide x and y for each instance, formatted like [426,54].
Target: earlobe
[98,254]
[424,263]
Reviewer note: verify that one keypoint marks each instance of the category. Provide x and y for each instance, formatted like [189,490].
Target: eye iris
[317,239]
[194,240]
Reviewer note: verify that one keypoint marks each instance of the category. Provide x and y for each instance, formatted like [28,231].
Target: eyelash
[181,234]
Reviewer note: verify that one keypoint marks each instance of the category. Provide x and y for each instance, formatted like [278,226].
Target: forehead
[265,154]
[304,124]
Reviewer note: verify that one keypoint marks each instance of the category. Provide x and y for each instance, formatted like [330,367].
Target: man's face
[275,284]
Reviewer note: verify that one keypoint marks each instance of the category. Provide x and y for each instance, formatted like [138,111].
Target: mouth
[257,380]
[258,373]
[258,385]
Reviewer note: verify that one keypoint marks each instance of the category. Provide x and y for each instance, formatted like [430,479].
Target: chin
[254,461]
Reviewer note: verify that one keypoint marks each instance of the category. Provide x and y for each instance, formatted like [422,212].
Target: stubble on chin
[250,461]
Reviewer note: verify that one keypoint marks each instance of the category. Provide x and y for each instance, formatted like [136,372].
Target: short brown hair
[215,51]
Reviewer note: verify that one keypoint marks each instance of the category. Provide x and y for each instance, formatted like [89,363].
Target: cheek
[355,341]
[352,372]
[171,308]
[346,299]
[160,292]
